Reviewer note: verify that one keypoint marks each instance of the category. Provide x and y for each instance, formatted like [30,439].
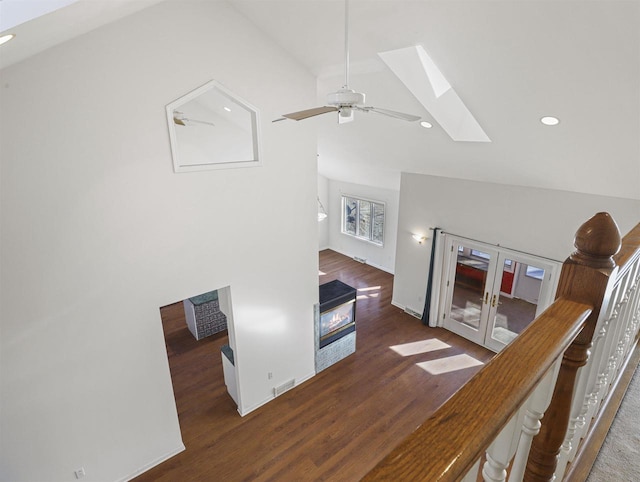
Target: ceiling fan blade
[390,113]
[201,122]
[304,114]
[181,120]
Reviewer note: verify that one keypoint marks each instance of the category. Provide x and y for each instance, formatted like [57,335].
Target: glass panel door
[491,294]
[520,283]
[470,279]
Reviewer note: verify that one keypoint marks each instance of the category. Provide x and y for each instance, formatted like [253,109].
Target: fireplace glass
[336,320]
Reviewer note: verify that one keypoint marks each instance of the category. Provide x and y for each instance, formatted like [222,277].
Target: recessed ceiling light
[227,109]
[550,121]
[426,125]
[5,38]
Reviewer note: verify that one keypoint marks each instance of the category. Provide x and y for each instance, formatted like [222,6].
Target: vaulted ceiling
[510,62]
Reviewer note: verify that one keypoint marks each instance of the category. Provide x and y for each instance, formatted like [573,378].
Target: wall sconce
[419,238]
[322,214]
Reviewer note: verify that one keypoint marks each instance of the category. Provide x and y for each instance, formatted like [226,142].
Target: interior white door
[491,294]
[469,282]
[522,287]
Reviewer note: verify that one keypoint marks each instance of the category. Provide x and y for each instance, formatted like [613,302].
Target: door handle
[494,300]
[486,298]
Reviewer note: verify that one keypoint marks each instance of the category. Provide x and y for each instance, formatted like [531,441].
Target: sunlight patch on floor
[370,288]
[417,347]
[364,296]
[449,364]
[320,273]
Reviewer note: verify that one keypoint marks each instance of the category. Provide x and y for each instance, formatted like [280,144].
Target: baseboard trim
[298,381]
[405,308]
[351,255]
[381,268]
[158,461]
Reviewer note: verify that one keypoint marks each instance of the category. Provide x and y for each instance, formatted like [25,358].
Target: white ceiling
[511,62]
[42,24]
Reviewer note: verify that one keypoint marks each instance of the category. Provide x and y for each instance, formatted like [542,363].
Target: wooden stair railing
[449,445]
[614,358]
[586,276]
[446,446]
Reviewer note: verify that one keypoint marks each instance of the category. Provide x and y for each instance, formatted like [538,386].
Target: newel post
[587,277]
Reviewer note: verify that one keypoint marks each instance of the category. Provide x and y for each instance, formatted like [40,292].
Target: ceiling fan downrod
[346,45]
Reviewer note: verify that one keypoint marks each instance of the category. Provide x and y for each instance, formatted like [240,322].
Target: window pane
[479,254]
[364,223]
[534,272]
[350,214]
[377,232]
[363,219]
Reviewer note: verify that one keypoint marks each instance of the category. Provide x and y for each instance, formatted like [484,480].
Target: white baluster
[632,315]
[501,450]
[607,372]
[583,400]
[534,409]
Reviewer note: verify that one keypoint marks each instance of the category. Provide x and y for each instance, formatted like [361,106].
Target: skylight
[418,72]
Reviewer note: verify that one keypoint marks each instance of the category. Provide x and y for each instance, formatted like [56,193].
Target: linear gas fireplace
[335,323]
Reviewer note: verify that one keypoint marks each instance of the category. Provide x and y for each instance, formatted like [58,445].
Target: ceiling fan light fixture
[345,114]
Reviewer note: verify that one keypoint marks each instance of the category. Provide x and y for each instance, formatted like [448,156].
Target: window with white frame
[363,219]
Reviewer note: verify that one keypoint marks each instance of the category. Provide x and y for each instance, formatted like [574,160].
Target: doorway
[490,294]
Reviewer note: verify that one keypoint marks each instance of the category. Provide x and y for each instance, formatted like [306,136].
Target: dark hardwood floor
[337,425]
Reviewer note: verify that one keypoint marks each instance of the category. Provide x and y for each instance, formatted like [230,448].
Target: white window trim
[343,197]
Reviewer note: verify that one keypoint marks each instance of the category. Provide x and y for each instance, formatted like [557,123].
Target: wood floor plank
[335,426]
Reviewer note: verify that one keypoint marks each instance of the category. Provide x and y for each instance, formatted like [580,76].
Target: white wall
[323,226]
[379,257]
[97,233]
[537,221]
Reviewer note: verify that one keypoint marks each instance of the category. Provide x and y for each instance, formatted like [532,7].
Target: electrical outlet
[270,375]
[79,473]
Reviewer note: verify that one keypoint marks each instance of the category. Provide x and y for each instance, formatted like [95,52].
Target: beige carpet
[619,458]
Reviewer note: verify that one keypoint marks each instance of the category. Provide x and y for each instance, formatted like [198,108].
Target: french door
[490,294]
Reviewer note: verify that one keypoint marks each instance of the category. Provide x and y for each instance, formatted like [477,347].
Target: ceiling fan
[181,120]
[345,101]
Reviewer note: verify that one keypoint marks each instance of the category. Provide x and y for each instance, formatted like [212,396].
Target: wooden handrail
[454,438]
[447,444]
[629,250]
[588,275]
